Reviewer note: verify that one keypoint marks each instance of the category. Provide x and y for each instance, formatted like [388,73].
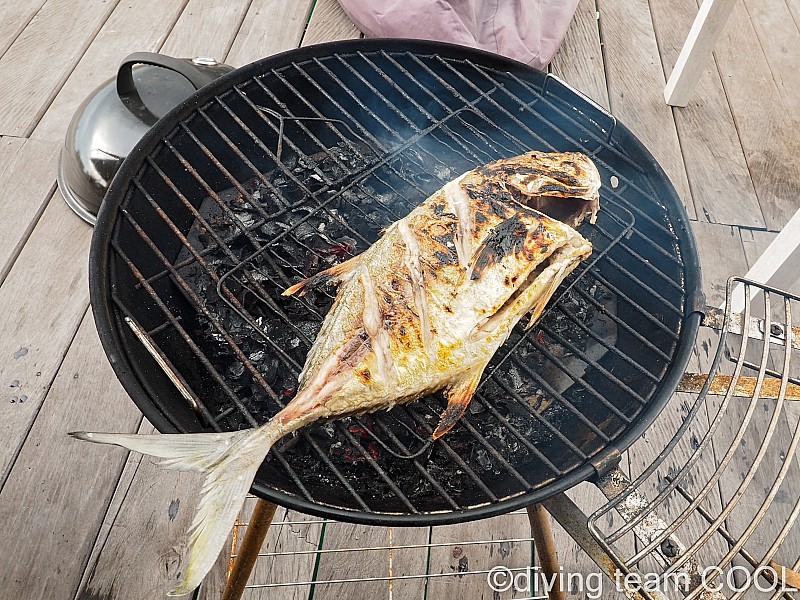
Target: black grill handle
[197,77]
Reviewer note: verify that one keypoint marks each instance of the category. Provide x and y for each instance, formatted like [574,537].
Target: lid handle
[125,85]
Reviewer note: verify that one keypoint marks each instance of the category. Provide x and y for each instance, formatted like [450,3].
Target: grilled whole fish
[423,309]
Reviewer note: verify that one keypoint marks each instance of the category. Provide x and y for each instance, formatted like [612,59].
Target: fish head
[564,186]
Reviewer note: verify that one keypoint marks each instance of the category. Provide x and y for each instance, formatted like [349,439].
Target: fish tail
[230,461]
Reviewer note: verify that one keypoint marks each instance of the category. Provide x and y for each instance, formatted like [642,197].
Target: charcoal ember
[309,329]
[273,228]
[305,163]
[246,219]
[352,156]
[235,370]
[335,223]
[483,460]
[268,367]
[522,386]
[304,231]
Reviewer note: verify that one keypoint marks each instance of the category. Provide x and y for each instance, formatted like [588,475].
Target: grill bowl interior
[285,166]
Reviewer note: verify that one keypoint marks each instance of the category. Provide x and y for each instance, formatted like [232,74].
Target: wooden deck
[89,522]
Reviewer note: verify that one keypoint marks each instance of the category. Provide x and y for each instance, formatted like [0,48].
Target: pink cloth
[529,31]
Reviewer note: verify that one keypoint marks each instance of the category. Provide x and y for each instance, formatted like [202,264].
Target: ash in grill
[291,169]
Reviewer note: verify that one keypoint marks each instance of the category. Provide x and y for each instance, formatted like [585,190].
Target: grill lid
[282,168]
[114,117]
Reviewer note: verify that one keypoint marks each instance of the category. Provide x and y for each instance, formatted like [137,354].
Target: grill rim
[109,323]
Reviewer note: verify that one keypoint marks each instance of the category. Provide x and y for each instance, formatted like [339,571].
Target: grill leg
[248,551]
[546,548]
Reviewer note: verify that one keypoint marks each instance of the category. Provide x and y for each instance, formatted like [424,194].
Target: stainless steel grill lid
[114,117]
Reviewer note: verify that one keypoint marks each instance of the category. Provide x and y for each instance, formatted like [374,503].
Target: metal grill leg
[546,548]
[257,530]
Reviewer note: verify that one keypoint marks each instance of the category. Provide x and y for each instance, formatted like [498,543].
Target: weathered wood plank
[291,532]
[329,22]
[454,557]
[115,504]
[120,504]
[41,58]
[205,28]
[647,449]
[767,131]
[269,27]
[9,146]
[779,37]
[131,27]
[635,83]
[794,8]
[14,17]
[715,163]
[721,257]
[47,547]
[579,61]
[743,464]
[47,288]
[371,564]
[27,184]
[755,243]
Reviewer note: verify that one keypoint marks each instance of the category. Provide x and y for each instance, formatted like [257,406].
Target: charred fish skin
[421,310]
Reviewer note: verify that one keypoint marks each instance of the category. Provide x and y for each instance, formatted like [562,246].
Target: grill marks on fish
[375,328]
[415,272]
[464,217]
[506,238]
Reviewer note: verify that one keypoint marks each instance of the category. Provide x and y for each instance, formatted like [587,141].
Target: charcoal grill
[292,163]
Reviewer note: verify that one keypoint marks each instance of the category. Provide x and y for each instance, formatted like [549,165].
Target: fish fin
[230,461]
[336,274]
[540,304]
[458,397]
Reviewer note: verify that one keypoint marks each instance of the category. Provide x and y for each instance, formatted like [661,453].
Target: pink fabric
[529,31]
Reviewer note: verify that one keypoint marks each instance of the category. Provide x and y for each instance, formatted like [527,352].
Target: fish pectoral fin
[458,397]
[542,301]
[335,275]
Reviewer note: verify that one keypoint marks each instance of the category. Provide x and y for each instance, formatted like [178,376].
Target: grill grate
[299,164]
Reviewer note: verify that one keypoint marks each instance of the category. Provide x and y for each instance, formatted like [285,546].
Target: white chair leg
[696,50]
[778,266]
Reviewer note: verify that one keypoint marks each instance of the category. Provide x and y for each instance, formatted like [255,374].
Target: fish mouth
[565,186]
[571,210]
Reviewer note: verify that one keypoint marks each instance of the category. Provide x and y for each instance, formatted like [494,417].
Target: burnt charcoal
[272,229]
[269,369]
[483,460]
[309,328]
[235,370]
